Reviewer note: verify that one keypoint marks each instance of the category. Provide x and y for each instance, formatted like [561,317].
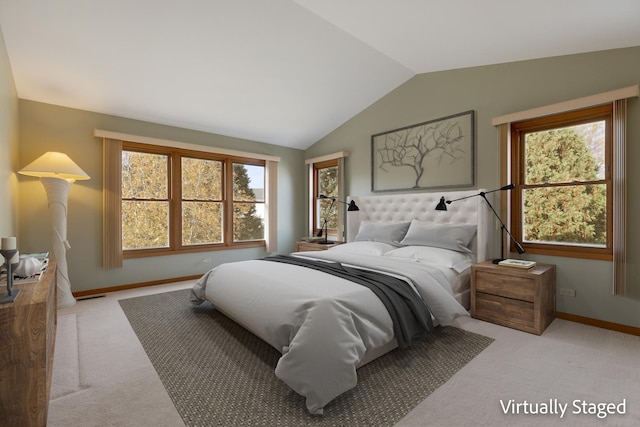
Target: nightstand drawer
[516,287]
[505,311]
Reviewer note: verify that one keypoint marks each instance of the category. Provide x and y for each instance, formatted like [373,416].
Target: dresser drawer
[516,287]
[505,311]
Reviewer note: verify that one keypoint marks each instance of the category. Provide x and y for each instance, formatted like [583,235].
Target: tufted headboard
[422,206]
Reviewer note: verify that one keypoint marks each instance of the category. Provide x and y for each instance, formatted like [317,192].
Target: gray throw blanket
[410,315]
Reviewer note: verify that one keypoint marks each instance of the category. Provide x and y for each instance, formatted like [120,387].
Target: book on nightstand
[517,263]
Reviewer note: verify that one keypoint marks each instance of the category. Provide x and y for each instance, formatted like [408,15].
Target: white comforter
[324,326]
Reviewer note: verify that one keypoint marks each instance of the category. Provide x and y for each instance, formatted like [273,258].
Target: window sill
[577,253]
[142,253]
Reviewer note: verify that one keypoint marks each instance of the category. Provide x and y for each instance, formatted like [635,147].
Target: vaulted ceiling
[285,72]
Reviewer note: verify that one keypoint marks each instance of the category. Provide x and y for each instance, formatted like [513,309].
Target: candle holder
[11,295]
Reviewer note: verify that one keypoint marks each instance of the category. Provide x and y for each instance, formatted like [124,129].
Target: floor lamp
[57,172]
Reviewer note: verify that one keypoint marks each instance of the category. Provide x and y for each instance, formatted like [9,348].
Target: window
[202,201]
[325,182]
[562,169]
[248,202]
[326,177]
[145,200]
[177,200]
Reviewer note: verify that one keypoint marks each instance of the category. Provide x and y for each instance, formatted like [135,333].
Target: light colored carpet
[120,387]
[218,373]
[66,375]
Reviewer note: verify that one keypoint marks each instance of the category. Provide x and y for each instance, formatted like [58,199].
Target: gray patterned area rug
[219,374]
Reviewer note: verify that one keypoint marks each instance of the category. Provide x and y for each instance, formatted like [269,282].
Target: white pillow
[387,232]
[455,237]
[459,261]
[364,248]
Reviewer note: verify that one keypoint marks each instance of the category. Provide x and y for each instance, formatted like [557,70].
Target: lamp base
[497,260]
[10,298]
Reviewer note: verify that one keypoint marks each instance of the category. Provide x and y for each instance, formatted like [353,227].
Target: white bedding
[457,264]
[324,326]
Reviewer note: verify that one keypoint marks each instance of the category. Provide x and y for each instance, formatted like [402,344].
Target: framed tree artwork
[434,154]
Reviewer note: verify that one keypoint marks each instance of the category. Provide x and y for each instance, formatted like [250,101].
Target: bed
[327,326]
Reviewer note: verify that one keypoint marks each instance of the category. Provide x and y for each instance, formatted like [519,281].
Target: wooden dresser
[27,337]
[520,299]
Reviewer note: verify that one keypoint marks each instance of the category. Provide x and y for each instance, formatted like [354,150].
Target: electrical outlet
[567,292]
[205,260]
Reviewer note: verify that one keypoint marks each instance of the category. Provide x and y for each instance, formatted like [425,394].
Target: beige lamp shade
[54,165]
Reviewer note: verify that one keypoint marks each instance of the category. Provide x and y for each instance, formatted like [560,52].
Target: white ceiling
[279,71]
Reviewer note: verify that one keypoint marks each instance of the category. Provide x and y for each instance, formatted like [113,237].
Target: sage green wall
[501,89]
[45,127]
[8,146]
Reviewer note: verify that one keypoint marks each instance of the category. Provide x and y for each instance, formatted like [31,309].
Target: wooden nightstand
[519,299]
[302,246]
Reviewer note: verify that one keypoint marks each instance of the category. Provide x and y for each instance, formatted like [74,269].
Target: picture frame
[438,153]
